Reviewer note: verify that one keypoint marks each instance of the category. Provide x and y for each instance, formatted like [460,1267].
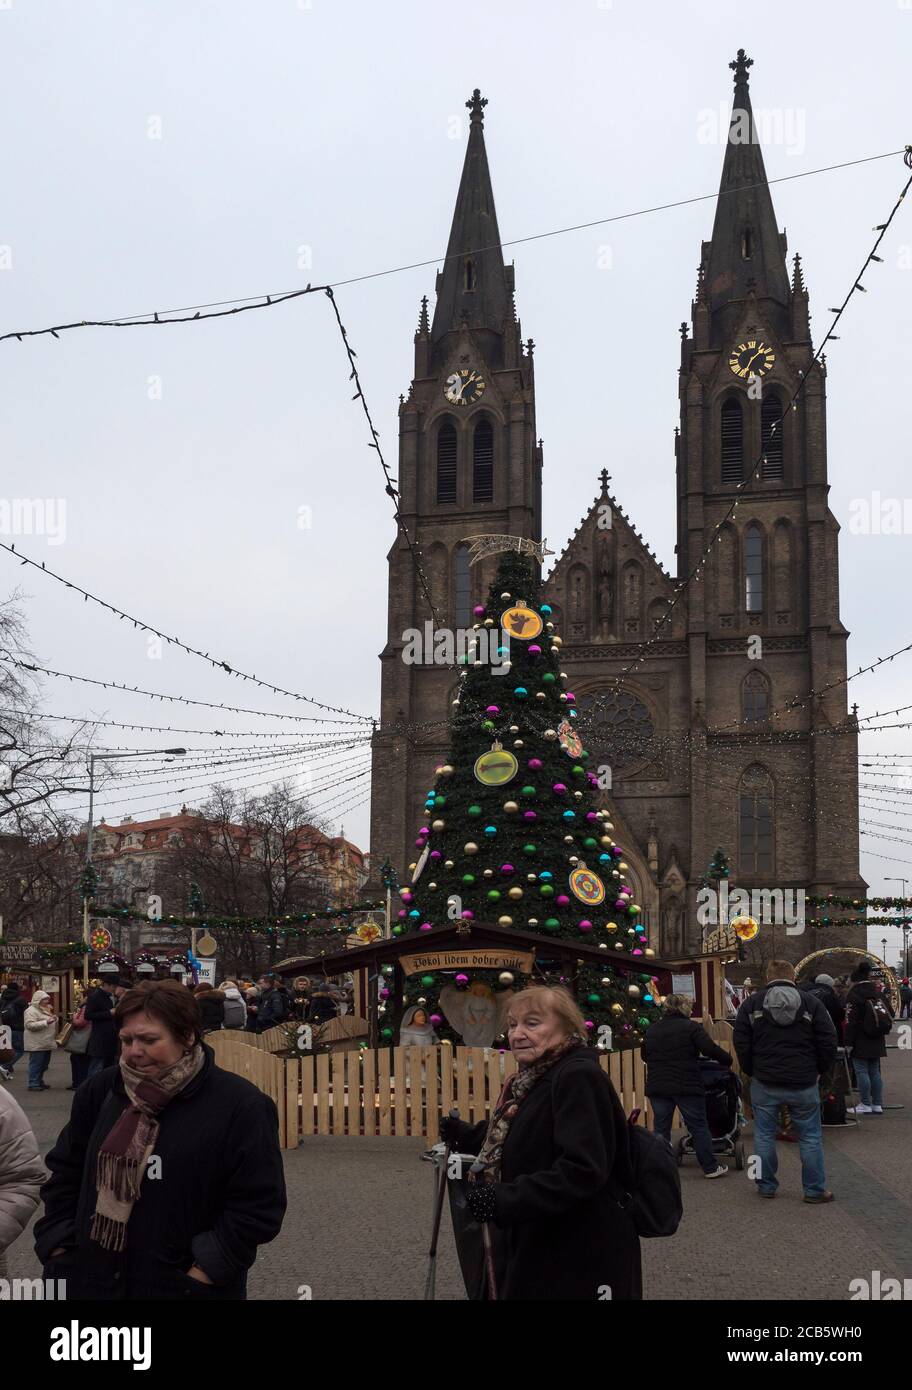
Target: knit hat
[825,980]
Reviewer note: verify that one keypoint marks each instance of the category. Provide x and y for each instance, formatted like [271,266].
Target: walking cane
[488,1244]
[438,1213]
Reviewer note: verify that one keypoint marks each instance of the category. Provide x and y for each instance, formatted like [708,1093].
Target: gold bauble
[617,1008]
[438,825]
[557,641]
[515,893]
[633,991]
[471,847]
[505,921]
[611,926]
[511,806]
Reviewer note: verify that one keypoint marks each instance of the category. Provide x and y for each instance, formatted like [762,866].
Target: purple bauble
[435,854]
[493,709]
[425,926]
[462,979]
[436,1020]
[559,789]
[506,870]
[478,610]
[585,925]
[562,900]
[534,764]
[534,650]
[620,905]
[469,916]
[529,815]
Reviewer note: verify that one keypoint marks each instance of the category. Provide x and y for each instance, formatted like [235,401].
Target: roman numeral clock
[464,387]
[751,359]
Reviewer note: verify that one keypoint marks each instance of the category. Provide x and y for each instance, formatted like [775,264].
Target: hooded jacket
[235,1008]
[861,1043]
[21,1171]
[212,1010]
[40,1028]
[792,1046]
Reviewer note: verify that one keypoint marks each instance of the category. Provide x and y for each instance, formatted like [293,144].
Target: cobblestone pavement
[359,1216]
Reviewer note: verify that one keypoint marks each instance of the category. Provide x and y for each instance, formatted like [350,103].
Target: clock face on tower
[752,358]
[464,387]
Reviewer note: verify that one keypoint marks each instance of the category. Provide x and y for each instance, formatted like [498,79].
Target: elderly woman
[556,1163]
[169,1174]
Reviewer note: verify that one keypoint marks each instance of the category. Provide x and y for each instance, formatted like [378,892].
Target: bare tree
[251,856]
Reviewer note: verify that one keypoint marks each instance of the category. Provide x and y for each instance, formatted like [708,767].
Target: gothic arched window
[755,821]
[617,727]
[462,587]
[470,275]
[446,462]
[732,441]
[771,436]
[753,570]
[755,699]
[483,462]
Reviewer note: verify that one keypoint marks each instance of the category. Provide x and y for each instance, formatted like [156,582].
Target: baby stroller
[723,1111]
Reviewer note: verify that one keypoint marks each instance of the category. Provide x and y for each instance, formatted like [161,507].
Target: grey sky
[340,128]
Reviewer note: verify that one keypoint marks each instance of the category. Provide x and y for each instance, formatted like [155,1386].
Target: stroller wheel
[739,1156]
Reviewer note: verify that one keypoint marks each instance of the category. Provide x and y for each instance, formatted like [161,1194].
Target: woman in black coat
[557,1165]
[169,1174]
[867,1048]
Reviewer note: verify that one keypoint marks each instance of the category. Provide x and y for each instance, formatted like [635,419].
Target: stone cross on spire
[740,67]
[605,479]
[476,105]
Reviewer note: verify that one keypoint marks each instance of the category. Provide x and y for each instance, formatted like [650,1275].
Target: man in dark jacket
[867,1047]
[672,1049]
[785,1041]
[99,1011]
[12,1013]
[271,1007]
[905,999]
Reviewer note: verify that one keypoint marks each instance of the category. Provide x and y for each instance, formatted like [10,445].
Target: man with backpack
[905,999]
[785,1041]
[869,1019]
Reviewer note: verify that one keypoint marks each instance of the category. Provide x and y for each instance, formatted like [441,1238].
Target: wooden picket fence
[400,1092]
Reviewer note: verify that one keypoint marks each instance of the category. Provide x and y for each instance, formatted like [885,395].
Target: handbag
[64,1035]
[79,1018]
[77,1044]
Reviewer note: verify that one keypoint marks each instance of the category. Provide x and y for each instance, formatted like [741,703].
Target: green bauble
[552,924]
[474,811]
[427,981]
[468,879]
[530,849]
[546,890]
[494,895]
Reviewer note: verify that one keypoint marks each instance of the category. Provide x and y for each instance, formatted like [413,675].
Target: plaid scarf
[125,1152]
[515,1090]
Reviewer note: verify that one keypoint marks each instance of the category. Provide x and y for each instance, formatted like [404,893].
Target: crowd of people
[560,1178]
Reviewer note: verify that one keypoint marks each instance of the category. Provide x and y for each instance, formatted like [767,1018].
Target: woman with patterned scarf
[555,1159]
[169,1174]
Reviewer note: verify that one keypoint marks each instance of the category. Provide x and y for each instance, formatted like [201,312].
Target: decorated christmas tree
[515,834]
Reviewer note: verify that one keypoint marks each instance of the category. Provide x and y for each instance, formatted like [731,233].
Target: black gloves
[481,1201]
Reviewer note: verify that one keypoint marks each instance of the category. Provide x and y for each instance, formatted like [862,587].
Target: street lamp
[107,757]
[883,942]
[904,927]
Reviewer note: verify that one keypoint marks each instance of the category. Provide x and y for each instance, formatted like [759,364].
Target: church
[713,697]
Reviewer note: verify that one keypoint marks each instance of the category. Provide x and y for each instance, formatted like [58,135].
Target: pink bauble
[425,926]
[469,916]
[478,610]
[620,904]
[585,925]
[435,854]
[384,993]
[534,650]
[425,830]
[462,979]
[406,895]
[402,912]
[636,952]
[558,788]
[591,815]
[529,815]
[436,1020]
[506,870]
[535,764]
[562,900]
[589,1023]
[570,695]
[493,709]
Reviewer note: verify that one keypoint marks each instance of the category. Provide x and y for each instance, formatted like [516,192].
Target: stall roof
[467,934]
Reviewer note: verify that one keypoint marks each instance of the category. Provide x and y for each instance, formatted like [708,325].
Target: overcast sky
[162,154]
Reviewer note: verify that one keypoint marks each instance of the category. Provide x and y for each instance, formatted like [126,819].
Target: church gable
[607,585]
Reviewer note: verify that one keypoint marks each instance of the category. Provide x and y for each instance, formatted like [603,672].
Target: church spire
[474,287]
[747,252]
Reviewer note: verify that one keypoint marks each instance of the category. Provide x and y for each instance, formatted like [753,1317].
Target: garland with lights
[515,833]
[294,924]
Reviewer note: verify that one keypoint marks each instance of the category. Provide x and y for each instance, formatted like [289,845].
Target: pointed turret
[474,287]
[747,252]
